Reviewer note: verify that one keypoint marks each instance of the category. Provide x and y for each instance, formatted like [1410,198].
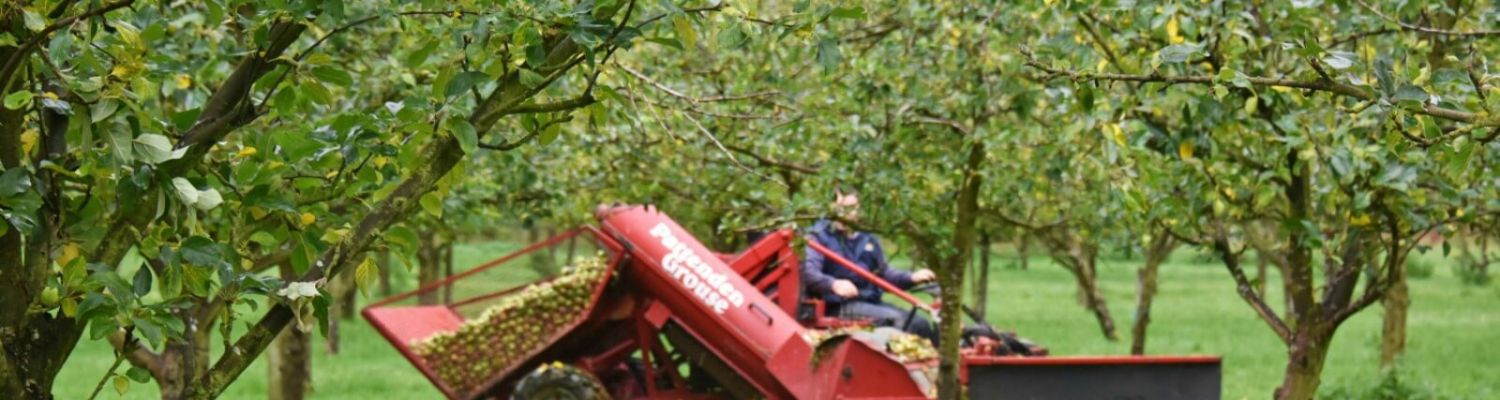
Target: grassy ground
[1451,348]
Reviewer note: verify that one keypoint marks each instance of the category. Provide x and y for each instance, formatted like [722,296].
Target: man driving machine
[846,294]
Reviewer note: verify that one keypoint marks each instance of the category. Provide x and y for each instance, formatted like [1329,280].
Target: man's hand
[844,288]
[922,275]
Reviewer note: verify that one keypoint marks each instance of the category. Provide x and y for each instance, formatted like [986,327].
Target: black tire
[558,381]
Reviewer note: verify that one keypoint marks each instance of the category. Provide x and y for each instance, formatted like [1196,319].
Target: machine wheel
[558,381]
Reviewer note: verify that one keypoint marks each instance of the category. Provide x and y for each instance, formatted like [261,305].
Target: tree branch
[726,151]
[951,124]
[582,100]
[693,99]
[25,49]
[442,155]
[341,29]
[138,356]
[1342,89]
[1423,29]
[1087,20]
[223,112]
[767,161]
[512,145]
[1247,291]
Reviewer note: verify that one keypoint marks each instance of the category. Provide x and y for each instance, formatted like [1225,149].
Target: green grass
[1451,327]
[1451,345]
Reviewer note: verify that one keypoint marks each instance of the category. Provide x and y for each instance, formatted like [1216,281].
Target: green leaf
[76,271]
[171,282]
[99,327]
[432,204]
[156,149]
[1085,96]
[462,82]
[320,311]
[1178,53]
[295,145]
[531,78]
[208,199]
[1409,94]
[34,21]
[1339,60]
[185,190]
[336,76]
[366,275]
[201,199]
[142,282]
[419,56]
[685,31]
[549,134]
[18,100]
[529,39]
[669,42]
[120,142]
[13,182]
[285,100]
[103,109]
[122,385]
[334,8]
[828,53]
[468,139]
[139,375]
[197,280]
[6,39]
[1459,161]
[199,250]
[131,260]
[401,236]
[315,90]
[854,12]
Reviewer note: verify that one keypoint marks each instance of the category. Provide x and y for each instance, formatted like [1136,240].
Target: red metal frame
[772,262]
[755,338]
[665,276]
[393,322]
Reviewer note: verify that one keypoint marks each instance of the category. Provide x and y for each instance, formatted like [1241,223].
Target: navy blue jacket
[818,272]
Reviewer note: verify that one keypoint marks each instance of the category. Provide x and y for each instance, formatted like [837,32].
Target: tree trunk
[447,261]
[982,279]
[1023,250]
[952,275]
[572,248]
[950,329]
[1081,259]
[1393,329]
[430,268]
[1304,367]
[1161,246]
[33,345]
[31,361]
[1093,299]
[185,359]
[346,301]
[1260,274]
[290,365]
[383,260]
[343,289]
[537,260]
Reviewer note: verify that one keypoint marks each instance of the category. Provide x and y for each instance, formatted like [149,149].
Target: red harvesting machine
[673,320]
